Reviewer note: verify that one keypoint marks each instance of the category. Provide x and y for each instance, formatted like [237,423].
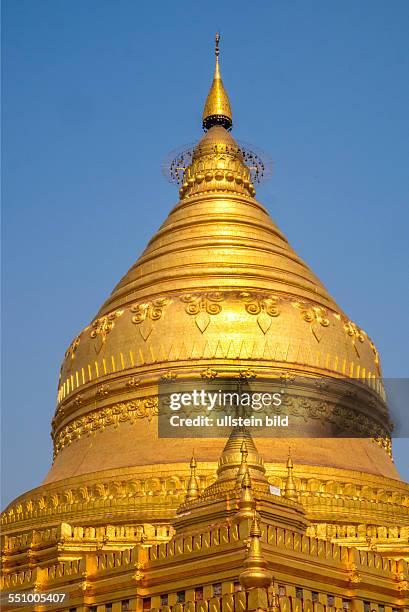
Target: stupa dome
[218,291]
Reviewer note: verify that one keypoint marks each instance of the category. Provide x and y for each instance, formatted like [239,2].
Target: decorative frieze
[100,419]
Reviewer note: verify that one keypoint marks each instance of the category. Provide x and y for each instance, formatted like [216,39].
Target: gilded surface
[122,519]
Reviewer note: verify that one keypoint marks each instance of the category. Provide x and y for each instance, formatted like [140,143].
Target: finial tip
[193,463]
[217,40]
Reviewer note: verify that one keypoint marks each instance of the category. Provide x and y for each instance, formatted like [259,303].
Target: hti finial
[217,40]
[217,109]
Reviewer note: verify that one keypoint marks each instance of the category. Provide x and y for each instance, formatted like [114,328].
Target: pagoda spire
[193,488]
[243,466]
[239,453]
[290,490]
[247,504]
[217,110]
[255,574]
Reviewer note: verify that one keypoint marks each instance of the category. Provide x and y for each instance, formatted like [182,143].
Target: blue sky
[96,93]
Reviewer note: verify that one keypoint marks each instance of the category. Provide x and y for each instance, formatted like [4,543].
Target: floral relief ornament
[169,376]
[315,316]
[146,313]
[202,306]
[376,357]
[133,383]
[102,327]
[102,391]
[265,307]
[209,373]
[72,348]
[247,374]
[287,377]
[355,333]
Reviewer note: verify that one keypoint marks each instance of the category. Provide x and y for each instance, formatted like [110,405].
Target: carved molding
[100,419]
[344,418]
[328,496]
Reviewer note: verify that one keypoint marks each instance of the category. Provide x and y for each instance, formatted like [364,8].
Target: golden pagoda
[126,520]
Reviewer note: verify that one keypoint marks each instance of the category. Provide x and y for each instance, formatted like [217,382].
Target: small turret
[243,466]
[255,574]
[290,490]
[193,487]
[247,504]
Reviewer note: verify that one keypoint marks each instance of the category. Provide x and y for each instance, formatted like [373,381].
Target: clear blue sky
[95,94]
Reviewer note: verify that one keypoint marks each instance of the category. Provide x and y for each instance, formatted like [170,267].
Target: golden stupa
[218,292]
